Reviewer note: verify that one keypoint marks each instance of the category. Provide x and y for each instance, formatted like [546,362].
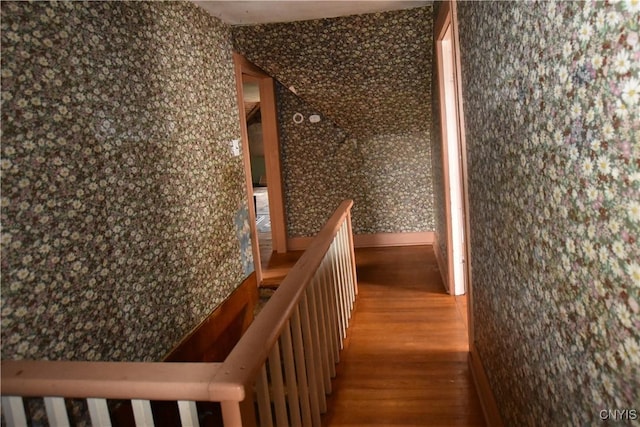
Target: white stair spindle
[345,268]
[340,292]
[277,386]
[316,387]
[326,306]
[13,409]
[56,411]
[301,367]
[290,375]
[142,413]
[333,309]
[99,412]
[319,335]
[188,413]
[264,401]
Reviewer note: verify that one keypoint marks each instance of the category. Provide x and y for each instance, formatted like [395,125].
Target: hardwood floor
[405,359]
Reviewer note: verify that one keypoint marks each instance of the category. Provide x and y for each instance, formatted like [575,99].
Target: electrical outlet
[235,147]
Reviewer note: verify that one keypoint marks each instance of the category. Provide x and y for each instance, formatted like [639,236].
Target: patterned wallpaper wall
[369,77]
[552,107]
[123,215]
[304,146]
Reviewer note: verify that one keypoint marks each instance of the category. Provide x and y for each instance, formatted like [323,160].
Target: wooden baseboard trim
[215,337]
[380,240]
[298,243]
[487,400]
[377,240]
[442,265]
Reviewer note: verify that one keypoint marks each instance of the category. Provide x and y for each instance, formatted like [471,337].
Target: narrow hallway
[405,361]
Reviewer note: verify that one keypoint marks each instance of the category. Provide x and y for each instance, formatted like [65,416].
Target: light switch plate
[235,147]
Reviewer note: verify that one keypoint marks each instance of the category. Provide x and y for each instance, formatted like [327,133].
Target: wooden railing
[280,371]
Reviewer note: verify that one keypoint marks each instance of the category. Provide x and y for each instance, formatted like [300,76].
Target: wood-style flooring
[405,358]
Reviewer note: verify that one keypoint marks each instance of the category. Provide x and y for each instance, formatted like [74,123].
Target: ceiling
[262,12]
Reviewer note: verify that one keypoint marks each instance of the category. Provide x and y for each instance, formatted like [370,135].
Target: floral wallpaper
[369,78]
[552,109]
[304,147]
[123,210]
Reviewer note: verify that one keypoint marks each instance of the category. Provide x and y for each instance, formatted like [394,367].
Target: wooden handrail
[304,296]
[111,380]
[241,366]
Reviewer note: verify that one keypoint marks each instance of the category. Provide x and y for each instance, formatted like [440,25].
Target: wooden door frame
[442,26]
[447,17]
[273,168]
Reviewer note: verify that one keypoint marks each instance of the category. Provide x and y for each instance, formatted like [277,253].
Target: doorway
[454,158]
[261,156]
[253,114]
[454,161]
[451,150]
